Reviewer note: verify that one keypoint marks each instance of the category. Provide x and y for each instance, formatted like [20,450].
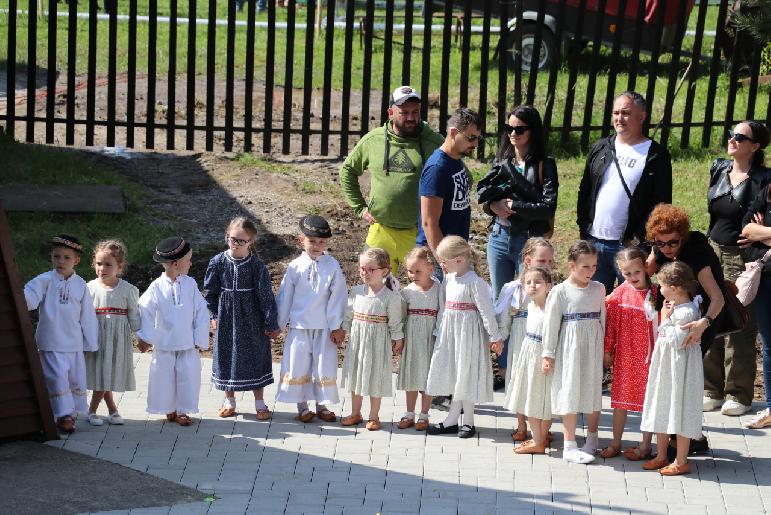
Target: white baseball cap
[403,94]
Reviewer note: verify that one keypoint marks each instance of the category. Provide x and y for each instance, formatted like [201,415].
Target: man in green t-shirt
[394,155]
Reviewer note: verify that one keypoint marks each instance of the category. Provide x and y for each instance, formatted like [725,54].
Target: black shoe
[499,383]
[700,446]
[440,429]
[467,431]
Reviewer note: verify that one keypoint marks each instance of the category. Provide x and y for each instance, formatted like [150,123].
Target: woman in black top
[729,365]
[529,210]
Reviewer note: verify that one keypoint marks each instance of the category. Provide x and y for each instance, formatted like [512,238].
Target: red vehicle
[654,13]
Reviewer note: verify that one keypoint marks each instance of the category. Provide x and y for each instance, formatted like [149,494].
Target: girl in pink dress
[629,338]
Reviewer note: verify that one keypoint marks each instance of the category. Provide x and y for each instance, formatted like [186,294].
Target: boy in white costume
[67,326]
[175,320]
[312,300]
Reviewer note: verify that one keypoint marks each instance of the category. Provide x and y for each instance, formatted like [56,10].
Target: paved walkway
[283,466]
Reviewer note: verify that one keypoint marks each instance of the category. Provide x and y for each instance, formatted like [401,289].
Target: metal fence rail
[324,77]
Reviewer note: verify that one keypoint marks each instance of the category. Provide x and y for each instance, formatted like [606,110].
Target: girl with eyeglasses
[729,370]
[529,210]
[239,293]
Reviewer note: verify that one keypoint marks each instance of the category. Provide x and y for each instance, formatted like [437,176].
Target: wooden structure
[24,406]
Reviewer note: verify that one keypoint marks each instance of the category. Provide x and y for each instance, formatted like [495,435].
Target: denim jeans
[504,259]
[607,273]
[762,311]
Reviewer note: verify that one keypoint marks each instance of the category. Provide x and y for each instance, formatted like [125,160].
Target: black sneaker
[440,429]
[467,431]
[499,384]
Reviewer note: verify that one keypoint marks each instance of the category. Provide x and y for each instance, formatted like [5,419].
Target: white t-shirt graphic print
[611,211]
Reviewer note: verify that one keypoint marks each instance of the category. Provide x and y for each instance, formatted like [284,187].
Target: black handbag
[496,184]
[735,314]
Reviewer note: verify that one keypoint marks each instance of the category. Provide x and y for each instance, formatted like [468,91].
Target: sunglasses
[671,243]
[519,130]
[236,241]
[739,137]
[471,139]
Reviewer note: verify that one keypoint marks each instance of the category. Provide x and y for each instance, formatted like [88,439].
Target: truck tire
[549,50]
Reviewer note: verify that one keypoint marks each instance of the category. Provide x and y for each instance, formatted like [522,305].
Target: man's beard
[406,131]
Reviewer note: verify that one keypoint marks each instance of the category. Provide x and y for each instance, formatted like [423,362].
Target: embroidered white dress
[511,313]
[461,364]
[423,311]
[530,391]
[312,301]
[111,368]
[573,335]
[373,322]
[673,396]
[67,327]
[175,320]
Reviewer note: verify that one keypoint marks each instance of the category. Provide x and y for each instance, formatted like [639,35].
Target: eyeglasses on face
[671,243]
[370,270]
[518,130]
[236,241]
[739,137]
[474,138]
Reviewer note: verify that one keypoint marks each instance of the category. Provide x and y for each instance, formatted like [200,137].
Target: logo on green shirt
[400,162]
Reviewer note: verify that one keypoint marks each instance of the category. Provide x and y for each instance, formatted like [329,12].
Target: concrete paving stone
[149,511]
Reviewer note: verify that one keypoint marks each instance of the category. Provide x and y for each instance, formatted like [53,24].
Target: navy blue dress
[239,295]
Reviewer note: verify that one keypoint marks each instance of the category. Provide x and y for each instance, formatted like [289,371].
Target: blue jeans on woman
[762,311]
[504,259]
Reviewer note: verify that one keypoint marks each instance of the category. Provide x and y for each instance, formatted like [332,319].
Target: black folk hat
[315,227]
[171,249]
[68,241]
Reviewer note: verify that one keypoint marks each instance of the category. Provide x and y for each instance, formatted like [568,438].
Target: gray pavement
[284,466]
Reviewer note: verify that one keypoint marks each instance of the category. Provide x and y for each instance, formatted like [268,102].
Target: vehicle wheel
[548,53]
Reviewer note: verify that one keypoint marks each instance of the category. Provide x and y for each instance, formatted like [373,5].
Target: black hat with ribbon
[171,249]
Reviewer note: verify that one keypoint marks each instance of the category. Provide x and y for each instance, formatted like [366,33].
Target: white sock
[468,413]
[230,402]
[570,444]
[453,414]
[320,407]
[259,404]
[302,407]
[410,415]
[592,441]
[423,416]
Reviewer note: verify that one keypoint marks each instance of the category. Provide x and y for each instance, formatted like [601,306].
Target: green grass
[718,103]
[31,232]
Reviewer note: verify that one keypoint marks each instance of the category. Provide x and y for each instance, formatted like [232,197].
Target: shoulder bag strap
[621,175]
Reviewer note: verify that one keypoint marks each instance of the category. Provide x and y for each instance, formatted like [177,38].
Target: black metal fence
[314,79]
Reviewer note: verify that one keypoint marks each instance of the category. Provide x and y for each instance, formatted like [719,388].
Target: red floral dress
[629,336]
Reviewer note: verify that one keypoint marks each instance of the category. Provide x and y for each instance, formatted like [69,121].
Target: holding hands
[337,336]
[497,347]
[547,365]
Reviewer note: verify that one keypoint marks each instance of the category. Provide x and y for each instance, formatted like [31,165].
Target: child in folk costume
[629,338]
[67,326]
[373,320]
[511,313]
[239,296]
[461,364]
[424,299]
[574,330]
[174,322]
[673,403]
[530,391]
[111,368]
[312,300]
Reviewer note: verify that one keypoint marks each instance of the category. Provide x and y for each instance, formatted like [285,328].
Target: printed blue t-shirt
[447,178]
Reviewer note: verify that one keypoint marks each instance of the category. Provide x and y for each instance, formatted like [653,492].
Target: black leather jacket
[760,204]
[744,193]
[533,203]
[655,187]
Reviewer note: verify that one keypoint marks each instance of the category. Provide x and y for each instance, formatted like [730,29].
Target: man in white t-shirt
[626,175]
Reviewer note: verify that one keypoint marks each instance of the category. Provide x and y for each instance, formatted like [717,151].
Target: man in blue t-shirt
[445,204]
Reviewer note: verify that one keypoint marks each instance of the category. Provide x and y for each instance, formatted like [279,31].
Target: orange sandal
[171,417]
[673,469]
[351,420]
[263,414]
[374,425]
[326,415]
[183,420]
[225,412]
[611,451]
[519,435]
[635,454]
[406,423]
[306,416]
[655,464]
[66,424]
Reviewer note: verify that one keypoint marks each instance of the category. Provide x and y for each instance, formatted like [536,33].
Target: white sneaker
[711,404]
[115,419]
[734,408]
[95,420]
[577,456]
[760,420]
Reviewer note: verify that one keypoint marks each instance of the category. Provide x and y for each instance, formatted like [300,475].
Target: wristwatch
[709,320]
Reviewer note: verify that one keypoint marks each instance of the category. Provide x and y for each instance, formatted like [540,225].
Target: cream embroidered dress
[111,368]
[461,364]
[511,313]
[530,391]
[423,310]
[673,396]
[573,335]
[373,322]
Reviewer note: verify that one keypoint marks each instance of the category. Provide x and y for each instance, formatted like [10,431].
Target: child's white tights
[453,415]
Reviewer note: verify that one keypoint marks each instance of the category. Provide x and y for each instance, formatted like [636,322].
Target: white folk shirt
[174,315]
[67,319]
[313,294]
[611,212]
